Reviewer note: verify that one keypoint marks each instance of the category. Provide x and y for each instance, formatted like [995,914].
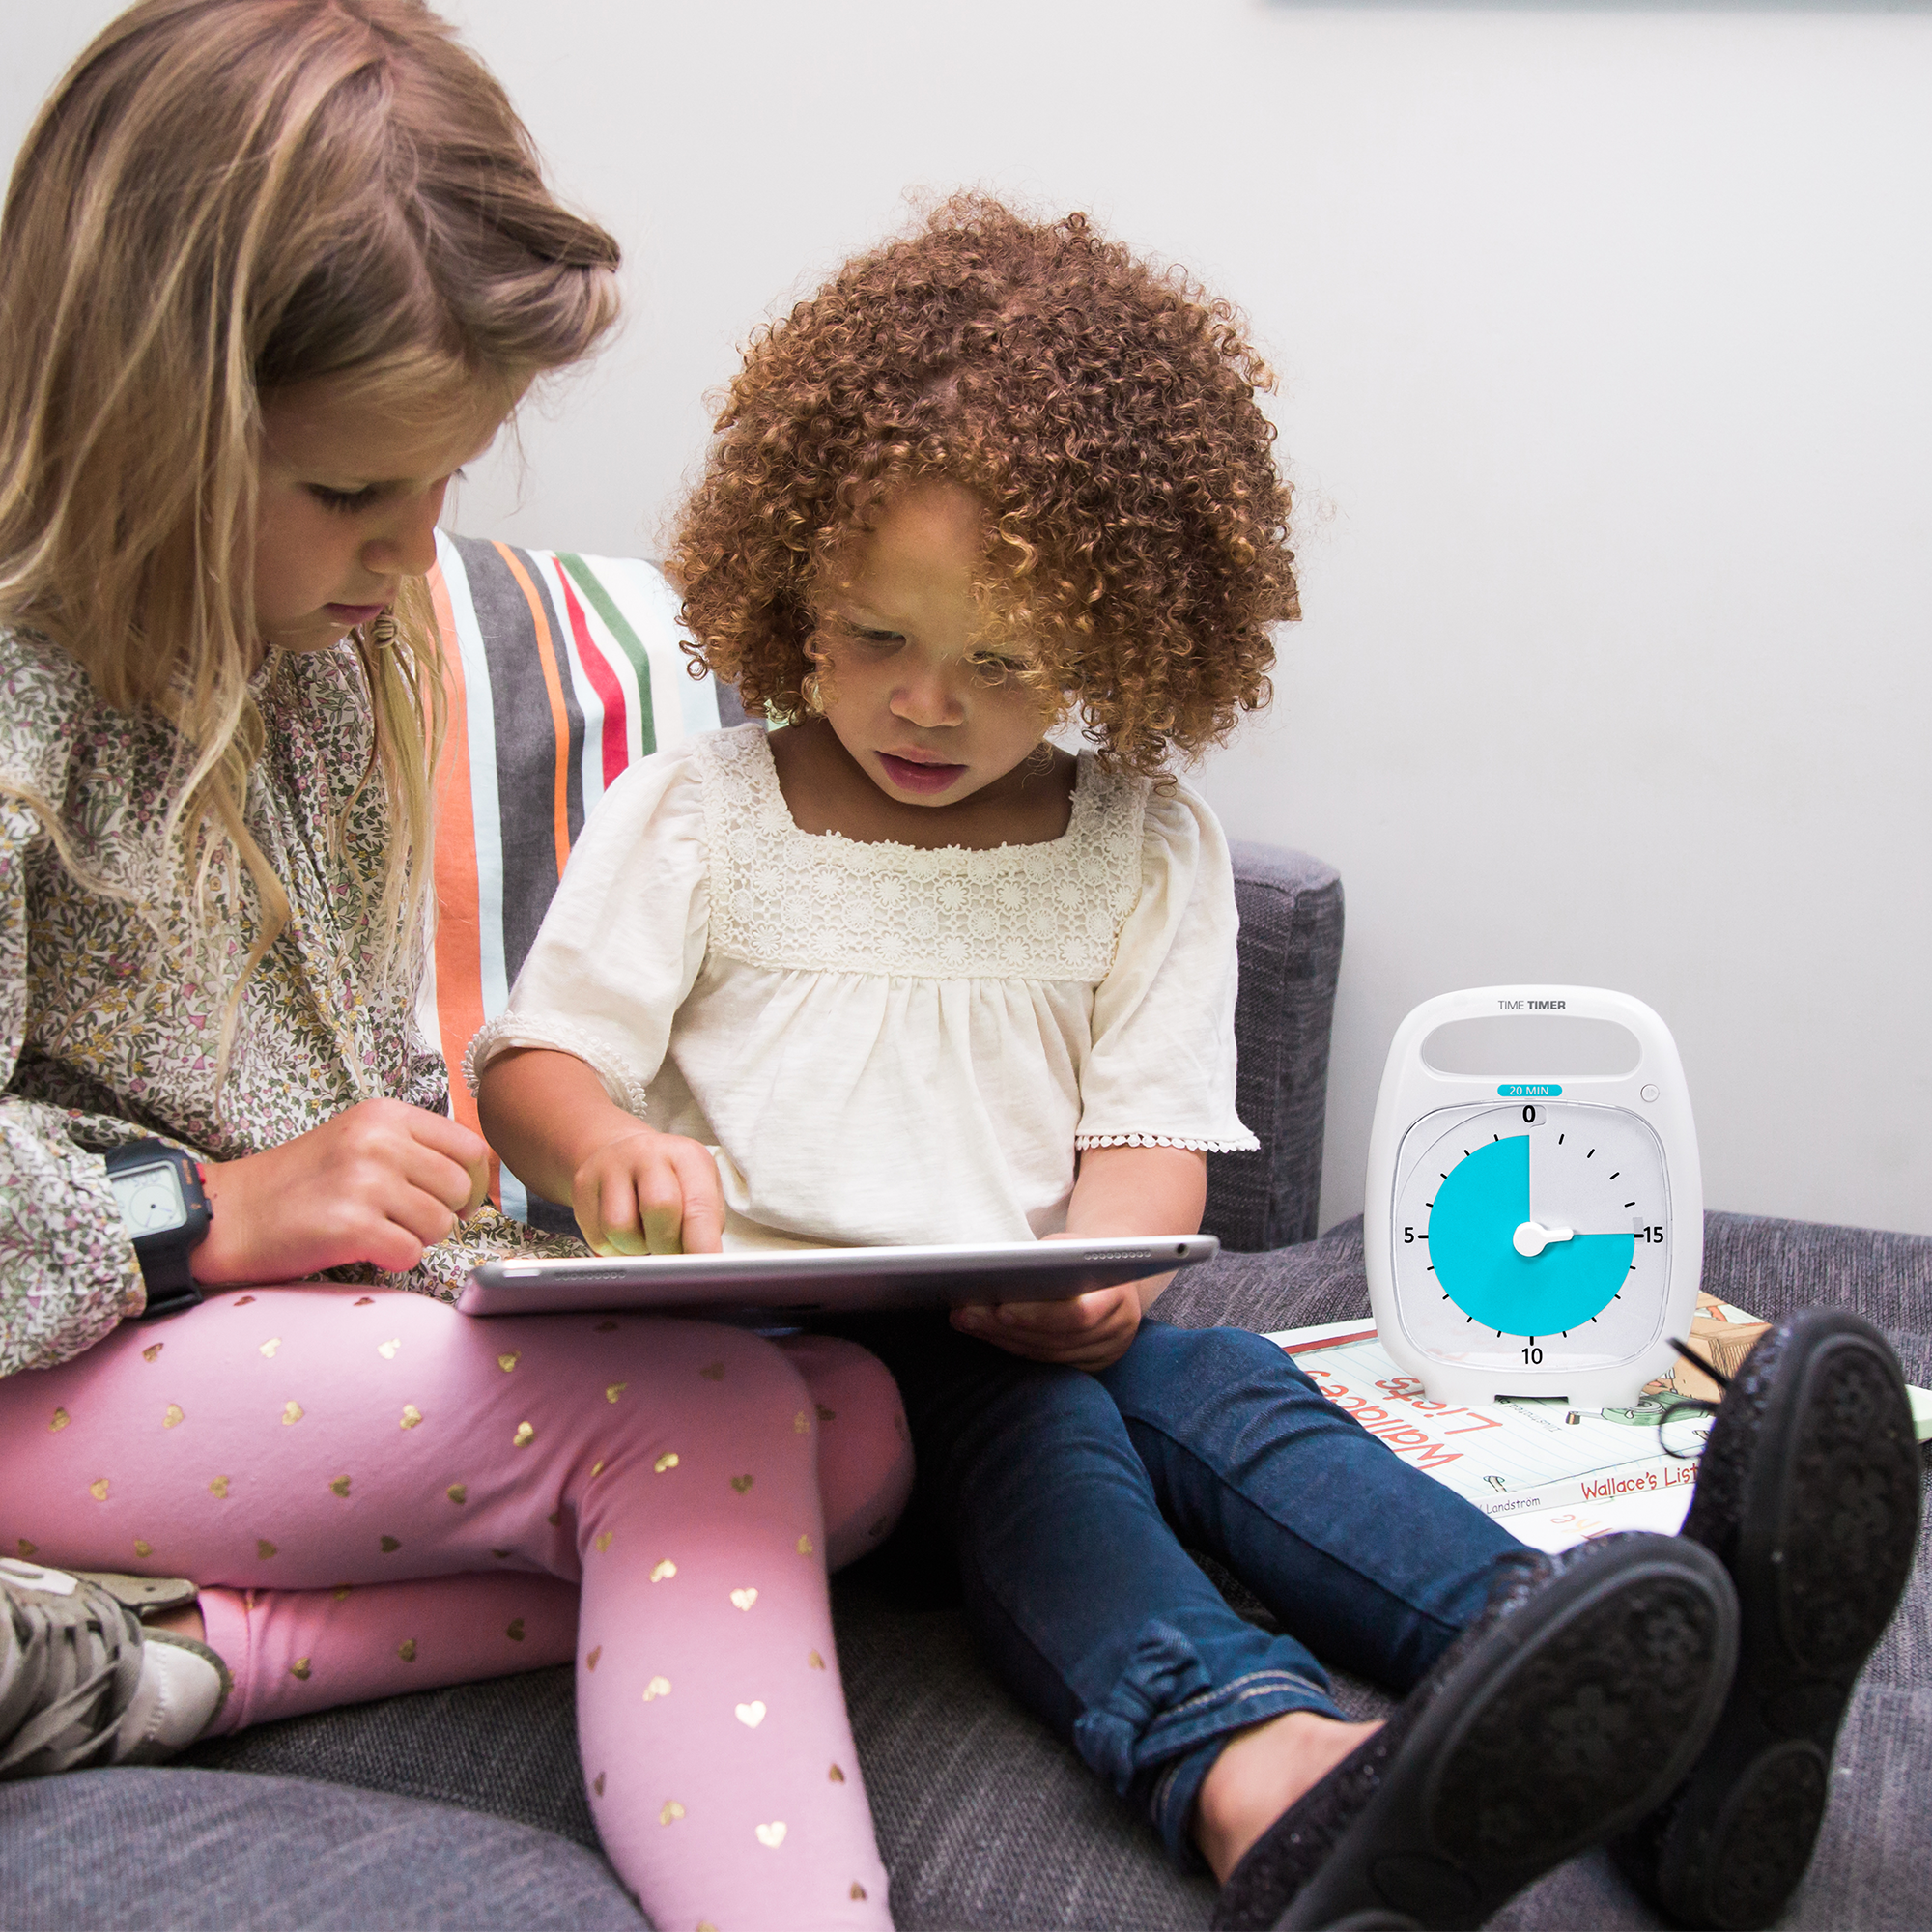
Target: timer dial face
[151,1199]
[1531,1232]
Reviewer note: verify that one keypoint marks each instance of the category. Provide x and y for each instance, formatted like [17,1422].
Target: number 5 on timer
[1535,1215]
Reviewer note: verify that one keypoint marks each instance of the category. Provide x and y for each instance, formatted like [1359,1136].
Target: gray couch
[465,1807]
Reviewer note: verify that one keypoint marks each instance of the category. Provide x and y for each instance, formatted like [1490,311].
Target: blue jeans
[1066,1499]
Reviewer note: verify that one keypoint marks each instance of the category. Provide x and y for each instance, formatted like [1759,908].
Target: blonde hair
[221,200]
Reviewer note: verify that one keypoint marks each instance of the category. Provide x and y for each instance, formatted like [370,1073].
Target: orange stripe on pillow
[459,955]
[554,685]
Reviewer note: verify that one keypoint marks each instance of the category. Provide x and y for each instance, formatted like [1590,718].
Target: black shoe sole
[1565,1726]
[1826,1532]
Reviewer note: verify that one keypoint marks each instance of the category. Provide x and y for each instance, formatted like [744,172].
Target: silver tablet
[828,1281]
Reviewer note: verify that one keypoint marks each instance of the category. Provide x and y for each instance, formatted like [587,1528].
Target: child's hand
[380,1182]
[647,1193]
[1092,1331]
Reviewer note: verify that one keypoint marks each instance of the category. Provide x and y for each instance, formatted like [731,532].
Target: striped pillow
[562,669]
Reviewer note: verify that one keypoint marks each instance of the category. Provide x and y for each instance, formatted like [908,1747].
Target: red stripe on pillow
[604,682]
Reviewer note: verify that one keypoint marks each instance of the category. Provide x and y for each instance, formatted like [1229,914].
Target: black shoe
[1808,1492]
[1572,1705]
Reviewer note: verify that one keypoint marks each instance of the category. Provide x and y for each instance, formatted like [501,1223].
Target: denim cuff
[1164,1723]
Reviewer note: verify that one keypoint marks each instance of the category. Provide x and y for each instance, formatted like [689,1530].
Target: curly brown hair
[1103,409]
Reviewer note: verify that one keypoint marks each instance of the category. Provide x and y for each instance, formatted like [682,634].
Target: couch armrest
[1291,953]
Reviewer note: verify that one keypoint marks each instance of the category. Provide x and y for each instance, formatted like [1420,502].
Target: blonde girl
[271,271]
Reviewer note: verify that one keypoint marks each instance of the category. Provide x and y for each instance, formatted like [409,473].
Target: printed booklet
[1556,1475]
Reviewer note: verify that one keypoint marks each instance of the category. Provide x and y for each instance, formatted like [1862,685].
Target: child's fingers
[605,1203]
[702,1228]
[660,1196]
[1078,1316]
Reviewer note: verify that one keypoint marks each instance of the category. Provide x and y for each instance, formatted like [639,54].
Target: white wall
[1604,338]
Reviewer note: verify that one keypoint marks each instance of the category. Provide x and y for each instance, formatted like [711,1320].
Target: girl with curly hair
[906,970]
[270,271]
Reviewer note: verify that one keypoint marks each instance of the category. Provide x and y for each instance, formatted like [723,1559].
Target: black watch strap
[167,1254]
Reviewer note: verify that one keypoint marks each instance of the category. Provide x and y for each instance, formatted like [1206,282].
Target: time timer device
[1535,1212]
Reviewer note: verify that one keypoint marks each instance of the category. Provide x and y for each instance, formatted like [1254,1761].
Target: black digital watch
[165,1206]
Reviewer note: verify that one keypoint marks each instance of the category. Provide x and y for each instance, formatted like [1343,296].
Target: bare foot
[185,1622]
[1259,1773]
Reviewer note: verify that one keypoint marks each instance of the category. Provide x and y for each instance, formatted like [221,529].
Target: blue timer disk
[1471,1242]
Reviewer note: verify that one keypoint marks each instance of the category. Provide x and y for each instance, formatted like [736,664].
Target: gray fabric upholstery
[1291,953]
[984,1820]
[187,1850]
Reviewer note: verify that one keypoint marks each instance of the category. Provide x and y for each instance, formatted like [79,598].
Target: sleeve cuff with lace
[514,1029]
[1242,1142]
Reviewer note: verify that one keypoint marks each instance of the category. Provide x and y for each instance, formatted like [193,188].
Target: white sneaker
[83,1684]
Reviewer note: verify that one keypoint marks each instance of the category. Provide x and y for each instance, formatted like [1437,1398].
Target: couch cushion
[1291,954]
[193,1849]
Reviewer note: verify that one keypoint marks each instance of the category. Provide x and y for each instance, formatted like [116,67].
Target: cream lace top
[886,1044]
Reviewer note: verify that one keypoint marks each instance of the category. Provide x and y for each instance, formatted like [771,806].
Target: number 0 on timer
[1535,1213]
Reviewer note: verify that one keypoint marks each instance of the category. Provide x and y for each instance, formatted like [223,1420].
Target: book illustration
[1723,1335]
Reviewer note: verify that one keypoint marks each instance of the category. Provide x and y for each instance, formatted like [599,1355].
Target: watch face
[151,1199]
[1526,1233]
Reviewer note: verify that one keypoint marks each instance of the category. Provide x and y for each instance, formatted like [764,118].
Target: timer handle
[1657,1052]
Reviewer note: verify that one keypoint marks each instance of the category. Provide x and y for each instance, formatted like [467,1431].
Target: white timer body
[1533,1233]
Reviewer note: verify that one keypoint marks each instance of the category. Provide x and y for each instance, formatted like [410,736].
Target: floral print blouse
[113,992]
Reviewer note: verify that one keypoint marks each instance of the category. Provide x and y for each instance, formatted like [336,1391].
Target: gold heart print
[411,1415]
[387,1349]
[743,1599]
[771,1835]
[664,1570]
[598,1785]
[658,1687]
[269,1346]
[668,1461]
[514,1632]
[741,1483]
[590,1661]
[713,1371]
[751,1715]
[292,1413]
[59,1421]
[508,1362]
[523,1437]
[98,1489]
[172,1415]
[340,1486]
[458,1492]
[390,1546]
[149,1355]
[143,1548]
[672,1811]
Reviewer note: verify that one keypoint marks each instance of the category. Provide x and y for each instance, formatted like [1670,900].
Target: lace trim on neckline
[787,898]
